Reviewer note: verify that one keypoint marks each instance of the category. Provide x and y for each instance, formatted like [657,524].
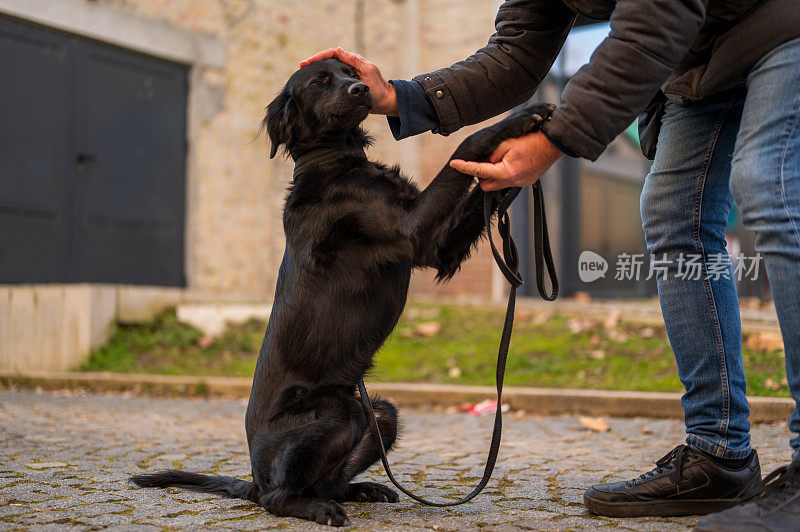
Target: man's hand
[514,163]
[385,99]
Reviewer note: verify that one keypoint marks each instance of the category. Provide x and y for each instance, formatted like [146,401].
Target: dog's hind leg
[296,462]
[365,454]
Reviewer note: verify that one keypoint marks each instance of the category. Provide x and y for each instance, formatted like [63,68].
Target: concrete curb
[535,401]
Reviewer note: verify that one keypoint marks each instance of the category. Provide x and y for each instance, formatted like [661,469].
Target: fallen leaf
[612,320]
[428,328]
[412,313]
[772,385]
[581,297]
[541,317]
[598,354]
[647,430]
[647,332]
[205,341]
[454,372]
[765,341]
[575,326]
[751,303]
[597,424]
[522,314]
[617,336]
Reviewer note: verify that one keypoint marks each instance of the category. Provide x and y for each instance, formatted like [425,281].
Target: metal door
[92,161]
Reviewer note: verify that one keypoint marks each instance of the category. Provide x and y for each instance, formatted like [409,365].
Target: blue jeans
[747,148]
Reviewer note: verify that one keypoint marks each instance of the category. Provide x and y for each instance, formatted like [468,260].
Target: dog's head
[324,100]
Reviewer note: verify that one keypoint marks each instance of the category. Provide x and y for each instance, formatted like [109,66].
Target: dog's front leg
[438,207]
[436,212]
[456,242]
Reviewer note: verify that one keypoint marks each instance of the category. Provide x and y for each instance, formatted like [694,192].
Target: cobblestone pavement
[65,459]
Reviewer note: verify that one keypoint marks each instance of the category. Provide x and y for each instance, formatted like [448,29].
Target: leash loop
[508,262]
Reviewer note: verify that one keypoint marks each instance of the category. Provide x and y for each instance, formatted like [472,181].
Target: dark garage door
[92,161]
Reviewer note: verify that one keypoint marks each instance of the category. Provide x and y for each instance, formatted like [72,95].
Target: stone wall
[53,327]
[234,233]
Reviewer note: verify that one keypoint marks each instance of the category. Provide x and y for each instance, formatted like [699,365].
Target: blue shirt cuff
[416,113]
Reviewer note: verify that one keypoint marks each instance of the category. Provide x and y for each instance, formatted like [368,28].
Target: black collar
[325,155]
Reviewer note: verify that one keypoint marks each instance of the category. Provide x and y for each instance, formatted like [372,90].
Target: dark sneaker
[684,482]
[776,508]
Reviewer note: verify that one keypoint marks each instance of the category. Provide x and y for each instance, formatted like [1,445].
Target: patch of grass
[547,351]
[449,344]
[166,346]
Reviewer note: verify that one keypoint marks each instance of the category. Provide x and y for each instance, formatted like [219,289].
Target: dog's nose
[358,88]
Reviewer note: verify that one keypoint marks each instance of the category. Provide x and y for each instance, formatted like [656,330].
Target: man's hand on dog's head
[515,162]
[382,91]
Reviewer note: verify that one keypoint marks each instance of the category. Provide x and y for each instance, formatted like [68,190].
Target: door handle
[82,160]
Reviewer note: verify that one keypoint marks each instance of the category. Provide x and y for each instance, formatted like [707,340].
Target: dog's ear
[281,117]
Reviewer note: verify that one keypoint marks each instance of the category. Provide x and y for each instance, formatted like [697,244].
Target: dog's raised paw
[329,513]
[533,117]
[374,492]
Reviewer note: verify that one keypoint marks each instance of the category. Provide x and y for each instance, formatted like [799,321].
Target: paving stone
[99,441]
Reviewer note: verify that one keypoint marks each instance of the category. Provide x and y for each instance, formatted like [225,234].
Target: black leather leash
[508,263]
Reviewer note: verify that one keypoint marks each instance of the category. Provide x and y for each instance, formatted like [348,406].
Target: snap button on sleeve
[439,94]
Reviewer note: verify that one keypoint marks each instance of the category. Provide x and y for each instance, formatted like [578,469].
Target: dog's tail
[230,486]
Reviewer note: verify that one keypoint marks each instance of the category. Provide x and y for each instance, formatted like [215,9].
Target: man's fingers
[319,56]
[489,185]
[354,60]
[479,170]
[350,58]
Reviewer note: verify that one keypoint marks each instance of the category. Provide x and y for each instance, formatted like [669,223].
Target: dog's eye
[325,78]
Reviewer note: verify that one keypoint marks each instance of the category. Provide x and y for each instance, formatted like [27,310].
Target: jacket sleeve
[504,73]
[648,39]
[415,113]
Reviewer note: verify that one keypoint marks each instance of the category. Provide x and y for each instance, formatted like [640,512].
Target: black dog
[355,229]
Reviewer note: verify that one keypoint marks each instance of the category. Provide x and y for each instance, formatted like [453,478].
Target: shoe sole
[657,508]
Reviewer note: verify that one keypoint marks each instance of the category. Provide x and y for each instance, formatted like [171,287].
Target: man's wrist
[388,106]
[553,150]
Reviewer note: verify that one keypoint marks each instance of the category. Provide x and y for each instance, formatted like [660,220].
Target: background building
[132,178]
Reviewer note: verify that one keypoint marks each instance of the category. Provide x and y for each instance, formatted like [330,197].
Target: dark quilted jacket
[690,49]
